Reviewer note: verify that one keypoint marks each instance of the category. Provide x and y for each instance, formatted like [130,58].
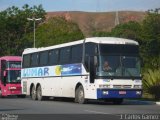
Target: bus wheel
[80,95]
[118,101]
[33,93]
[1,94]
[39,93]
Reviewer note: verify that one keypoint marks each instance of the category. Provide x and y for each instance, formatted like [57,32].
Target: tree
[14,26]
[57,30]
[151,40]
[130,30]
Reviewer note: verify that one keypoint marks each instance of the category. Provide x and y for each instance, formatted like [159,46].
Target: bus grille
[122,86]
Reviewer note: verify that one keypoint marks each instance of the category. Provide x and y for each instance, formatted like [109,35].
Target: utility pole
[116,19]
[34,30]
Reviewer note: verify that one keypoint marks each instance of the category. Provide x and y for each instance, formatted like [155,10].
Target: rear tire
[33,93]
[79,96]
[39,94]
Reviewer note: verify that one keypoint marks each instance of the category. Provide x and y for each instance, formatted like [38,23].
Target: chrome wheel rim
[81,95]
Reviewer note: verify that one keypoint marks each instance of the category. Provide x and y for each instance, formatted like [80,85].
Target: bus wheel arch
[39,95]
[31,88]
[78,84]
[79,94]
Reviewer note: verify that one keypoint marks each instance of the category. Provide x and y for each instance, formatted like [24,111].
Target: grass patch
[145,97]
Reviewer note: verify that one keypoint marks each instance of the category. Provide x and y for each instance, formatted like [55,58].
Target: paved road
[15,105]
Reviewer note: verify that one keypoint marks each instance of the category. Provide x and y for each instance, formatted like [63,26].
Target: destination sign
[14,64]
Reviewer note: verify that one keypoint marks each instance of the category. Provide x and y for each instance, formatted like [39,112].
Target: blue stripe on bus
[116,93]
[57,70]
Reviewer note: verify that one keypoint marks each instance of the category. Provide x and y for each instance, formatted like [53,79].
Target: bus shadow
[101,102]
[3,110]
[10,97]
[125,102]
[90,102]
[138,102]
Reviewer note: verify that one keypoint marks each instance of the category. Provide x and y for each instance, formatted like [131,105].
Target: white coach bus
[104,68]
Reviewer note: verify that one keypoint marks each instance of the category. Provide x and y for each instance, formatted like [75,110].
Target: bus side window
[53,57]
[43,58]
[26,61]
[90,50]
[76,54]
[34,59]
[65,54]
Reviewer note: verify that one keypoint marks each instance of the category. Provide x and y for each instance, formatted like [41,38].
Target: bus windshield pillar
[92,68]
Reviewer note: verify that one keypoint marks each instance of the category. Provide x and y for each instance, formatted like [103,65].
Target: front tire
[79,96]
[33,93]
[1,94]
[118,101]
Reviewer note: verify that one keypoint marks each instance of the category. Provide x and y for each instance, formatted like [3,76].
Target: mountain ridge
[90,22]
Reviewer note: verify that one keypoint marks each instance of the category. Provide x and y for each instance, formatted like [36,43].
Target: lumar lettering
[36,72]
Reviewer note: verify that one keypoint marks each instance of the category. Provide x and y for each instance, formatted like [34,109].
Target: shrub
[151,82]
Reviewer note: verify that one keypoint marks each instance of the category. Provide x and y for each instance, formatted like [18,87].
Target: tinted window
[65,55]
[34,59]
[90,49]
[77,52]
[43,58]
[53,57]
[26,61]
[118,49]
[14,64]
[130,49]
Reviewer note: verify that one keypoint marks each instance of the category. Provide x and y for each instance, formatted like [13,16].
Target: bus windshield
[14,64]
[13,76]
[119,66]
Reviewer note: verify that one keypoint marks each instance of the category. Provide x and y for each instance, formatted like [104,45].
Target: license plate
[122,92]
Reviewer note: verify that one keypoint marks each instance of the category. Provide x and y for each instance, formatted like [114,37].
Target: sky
[85,5]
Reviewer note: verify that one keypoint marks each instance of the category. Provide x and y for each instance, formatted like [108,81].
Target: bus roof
[11,58]
[98,40]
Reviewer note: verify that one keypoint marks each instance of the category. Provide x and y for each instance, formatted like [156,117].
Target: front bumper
[119,93]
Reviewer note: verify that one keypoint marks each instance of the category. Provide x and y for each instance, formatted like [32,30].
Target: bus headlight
[138,86]
[105,92]
[138,92]
[104,86]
